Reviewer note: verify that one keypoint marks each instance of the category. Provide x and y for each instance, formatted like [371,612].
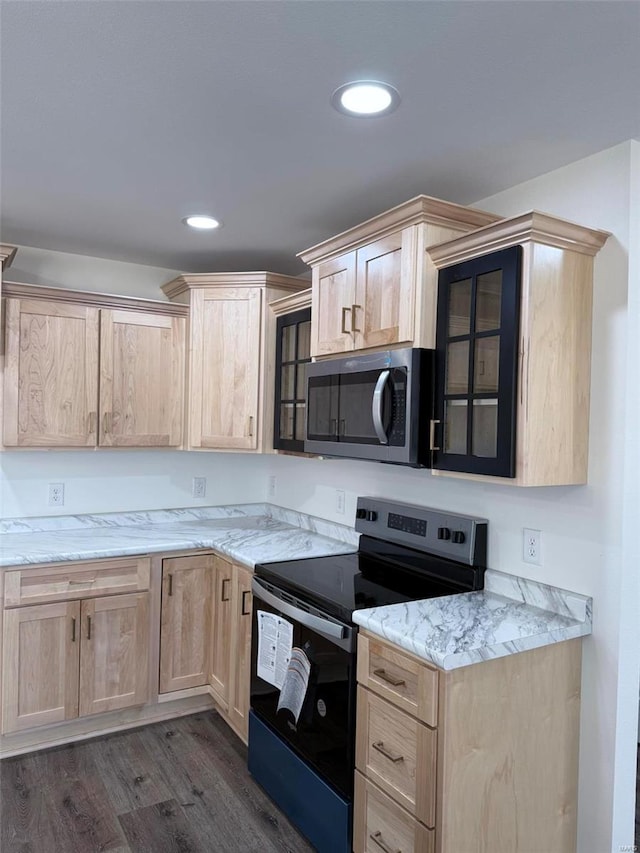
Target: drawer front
[398,753]
[399,678]
[382,826]
[69,581]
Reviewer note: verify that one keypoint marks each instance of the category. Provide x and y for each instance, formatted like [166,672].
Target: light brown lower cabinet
[185,621]
[74,658]
[495,768]
[205,632]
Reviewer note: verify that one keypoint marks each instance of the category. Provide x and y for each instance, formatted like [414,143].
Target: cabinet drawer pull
[251,425]
[170,592]
[390,679]
[244,612]
[432,434]
[88,627]
[379,840]
[380,747]
[224,596]
[73,582]
[73,629]
[106,423]
[353,318]
[93,419]
[344,320]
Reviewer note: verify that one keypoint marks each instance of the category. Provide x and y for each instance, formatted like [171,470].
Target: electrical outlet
[56,494]
[273,484]
[340,501]
[199,487]
[532,546]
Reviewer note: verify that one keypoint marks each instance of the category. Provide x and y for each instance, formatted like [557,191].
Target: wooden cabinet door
[333,297]
[222,645]
[225,368]
[114,659]
[141,379]
[383,309]
[240,674]
[50,374]
[185,622]
[40,665]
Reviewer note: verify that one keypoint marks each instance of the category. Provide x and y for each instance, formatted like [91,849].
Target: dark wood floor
[180,786]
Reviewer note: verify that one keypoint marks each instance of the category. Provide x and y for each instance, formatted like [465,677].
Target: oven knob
[361,513]
[444,533]
[458,537]
[371,515]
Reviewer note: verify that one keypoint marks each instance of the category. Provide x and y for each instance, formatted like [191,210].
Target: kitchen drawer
[382,826]
[401,678]
[68,581]
[398,753]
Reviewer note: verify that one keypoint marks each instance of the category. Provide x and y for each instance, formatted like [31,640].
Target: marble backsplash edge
[43,524]
[546,597]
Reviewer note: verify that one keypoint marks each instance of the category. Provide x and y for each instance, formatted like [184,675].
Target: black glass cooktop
[379,573]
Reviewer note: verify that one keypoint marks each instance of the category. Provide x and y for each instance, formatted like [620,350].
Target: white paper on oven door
[296,682]
[275,640]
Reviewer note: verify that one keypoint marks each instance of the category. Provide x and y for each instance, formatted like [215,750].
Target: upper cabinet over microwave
[374,286]
[514,351]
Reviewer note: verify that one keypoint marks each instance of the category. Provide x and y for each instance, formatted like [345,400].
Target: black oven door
[320,725]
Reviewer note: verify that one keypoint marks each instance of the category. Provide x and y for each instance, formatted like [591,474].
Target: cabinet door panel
[40,665]
[334,288]
[115,652]
[384,306]
[222,644]
[185,622]
[241,652]
[141,379]
[225,368]
[50,374]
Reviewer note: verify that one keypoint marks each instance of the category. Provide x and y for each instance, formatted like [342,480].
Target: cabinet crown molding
[7,254]
[190,281]
[531,227]
[421,209]
[19,290]
[293,302]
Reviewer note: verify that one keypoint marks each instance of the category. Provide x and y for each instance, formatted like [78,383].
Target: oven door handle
[330,630]
[376,406]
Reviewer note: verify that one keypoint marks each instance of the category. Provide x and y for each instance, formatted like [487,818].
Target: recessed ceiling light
[200,222]
[365,98]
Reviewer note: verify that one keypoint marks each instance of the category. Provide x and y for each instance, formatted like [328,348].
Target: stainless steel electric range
[303,651]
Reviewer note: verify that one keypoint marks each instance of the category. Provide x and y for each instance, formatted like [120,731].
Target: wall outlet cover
[56,494]
[199,487]
[532,546]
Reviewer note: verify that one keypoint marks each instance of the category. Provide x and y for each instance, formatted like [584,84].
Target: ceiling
[120,118]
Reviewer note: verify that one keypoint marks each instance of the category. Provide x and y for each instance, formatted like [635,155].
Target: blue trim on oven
[312,805]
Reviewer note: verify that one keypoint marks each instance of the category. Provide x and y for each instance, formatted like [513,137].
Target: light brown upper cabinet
[374,286]
[231,356]
[86,369]
[514,351]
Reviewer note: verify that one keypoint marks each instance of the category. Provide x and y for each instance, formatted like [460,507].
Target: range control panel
[447,534]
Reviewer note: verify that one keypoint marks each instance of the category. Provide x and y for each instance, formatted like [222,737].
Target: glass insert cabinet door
[477,352]
[293,353]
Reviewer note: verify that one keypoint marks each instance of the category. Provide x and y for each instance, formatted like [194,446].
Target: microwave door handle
[376,406]
[316,623]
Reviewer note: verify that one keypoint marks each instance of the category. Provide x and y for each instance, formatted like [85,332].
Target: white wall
[587,531]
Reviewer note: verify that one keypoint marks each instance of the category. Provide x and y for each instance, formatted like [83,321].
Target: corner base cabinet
[514,351]
[480,758]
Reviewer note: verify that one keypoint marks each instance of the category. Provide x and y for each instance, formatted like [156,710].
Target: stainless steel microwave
[374,406]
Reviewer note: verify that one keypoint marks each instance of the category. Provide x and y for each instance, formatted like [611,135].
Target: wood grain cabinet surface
[495,770]
[231,356]
[86,370]
[74,656]
[205,632]
[514,384]
[373,286]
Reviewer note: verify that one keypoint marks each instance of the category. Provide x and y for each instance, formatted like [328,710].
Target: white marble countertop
[509,615]
[248,533]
